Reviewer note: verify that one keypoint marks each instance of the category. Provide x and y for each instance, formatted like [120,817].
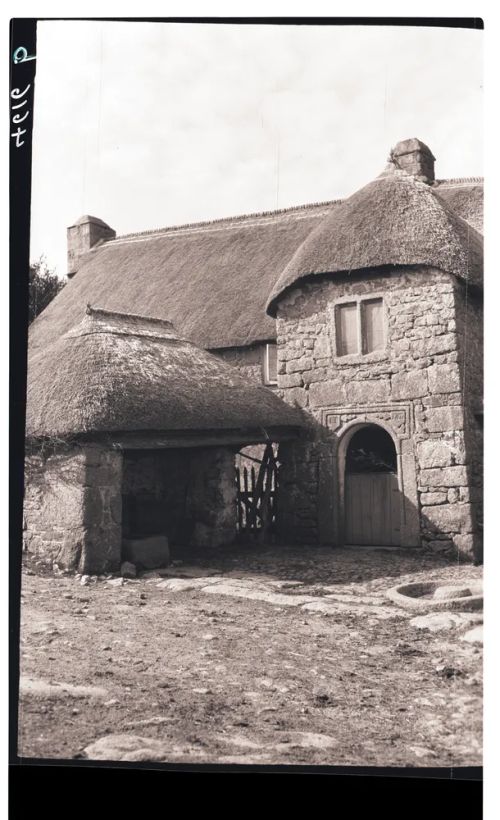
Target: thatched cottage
[348,333]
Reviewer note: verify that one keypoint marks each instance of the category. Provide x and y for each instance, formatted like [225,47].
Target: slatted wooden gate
[256,495]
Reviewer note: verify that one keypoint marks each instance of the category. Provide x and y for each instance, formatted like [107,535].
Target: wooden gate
[256,494]
[372,509]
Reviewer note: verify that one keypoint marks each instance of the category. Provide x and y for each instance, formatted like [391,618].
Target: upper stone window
[360,326]
[271,364]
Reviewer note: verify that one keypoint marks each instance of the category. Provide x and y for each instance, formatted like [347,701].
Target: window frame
[359,300]
[266,377]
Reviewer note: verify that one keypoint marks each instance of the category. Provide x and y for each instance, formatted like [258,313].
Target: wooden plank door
[372,509]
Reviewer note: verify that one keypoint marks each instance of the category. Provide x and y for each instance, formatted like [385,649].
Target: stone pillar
[447,516]
[72,507]
[407,472]
[212,497]
[102,510]
[54,487]
[301,466]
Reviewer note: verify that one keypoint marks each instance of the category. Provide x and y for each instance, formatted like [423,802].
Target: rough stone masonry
[423,388]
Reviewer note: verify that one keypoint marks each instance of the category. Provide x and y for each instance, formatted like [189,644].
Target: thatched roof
[464,197]
[213,279]
[123,373]
[393,221]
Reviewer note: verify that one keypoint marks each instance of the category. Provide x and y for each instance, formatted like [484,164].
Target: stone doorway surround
[396,420]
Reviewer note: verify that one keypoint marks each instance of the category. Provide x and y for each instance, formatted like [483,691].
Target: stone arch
[406,478]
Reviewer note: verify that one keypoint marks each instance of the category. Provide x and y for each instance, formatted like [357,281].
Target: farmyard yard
[265,656]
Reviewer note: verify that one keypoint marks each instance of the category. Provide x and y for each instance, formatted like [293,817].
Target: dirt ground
[244,673]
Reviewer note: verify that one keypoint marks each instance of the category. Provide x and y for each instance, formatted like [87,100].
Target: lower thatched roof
[393,221]
[125,373]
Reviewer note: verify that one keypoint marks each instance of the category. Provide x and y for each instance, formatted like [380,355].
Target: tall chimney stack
[414,157]
[84,235]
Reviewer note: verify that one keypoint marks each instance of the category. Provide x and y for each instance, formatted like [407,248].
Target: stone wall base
[72,508]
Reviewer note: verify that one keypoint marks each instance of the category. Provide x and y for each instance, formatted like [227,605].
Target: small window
[347,329]
[271,364]
[360,327]
[373,325]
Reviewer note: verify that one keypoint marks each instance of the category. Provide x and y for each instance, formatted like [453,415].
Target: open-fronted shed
[132,435]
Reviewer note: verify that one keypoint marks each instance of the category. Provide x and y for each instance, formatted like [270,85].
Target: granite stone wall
[72,507]
[414,388]
[212,501]
[469,317]
[249,360]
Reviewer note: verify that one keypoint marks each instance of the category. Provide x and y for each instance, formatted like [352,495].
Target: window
[271,364]
[372,322]
[360,327]
[347,329]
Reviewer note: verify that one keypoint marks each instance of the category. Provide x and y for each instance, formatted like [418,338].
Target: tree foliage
[44,284]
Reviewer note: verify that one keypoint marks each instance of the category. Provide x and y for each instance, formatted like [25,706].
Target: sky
[148,124]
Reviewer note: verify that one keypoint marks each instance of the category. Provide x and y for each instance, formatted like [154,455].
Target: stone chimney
[414,157]
[85,234]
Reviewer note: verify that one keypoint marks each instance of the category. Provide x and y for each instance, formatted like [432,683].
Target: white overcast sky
[148,124]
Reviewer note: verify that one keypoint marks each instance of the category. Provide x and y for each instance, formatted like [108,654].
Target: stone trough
[432,596]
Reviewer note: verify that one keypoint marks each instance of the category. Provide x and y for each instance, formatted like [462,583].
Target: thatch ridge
[395,220]
[207,223]
[133,324]
[459,180]
[101,378]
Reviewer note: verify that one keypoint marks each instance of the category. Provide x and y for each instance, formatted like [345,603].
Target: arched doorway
[372,507]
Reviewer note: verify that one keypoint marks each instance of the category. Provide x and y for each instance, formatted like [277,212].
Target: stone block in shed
[147,553]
